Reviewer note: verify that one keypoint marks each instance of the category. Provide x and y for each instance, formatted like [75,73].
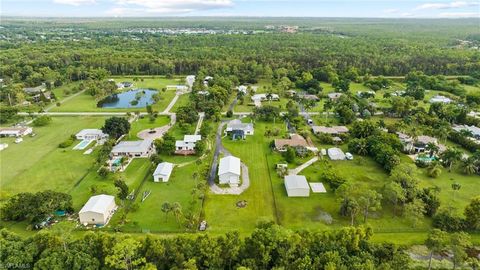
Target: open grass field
[38,164]
[87,103]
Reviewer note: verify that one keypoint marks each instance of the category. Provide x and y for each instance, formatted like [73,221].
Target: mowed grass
[93,184]
[144,123]
[221,211]
[38,164]
[87,103]
[149,216]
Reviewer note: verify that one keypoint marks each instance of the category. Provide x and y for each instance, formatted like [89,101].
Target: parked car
[348,156]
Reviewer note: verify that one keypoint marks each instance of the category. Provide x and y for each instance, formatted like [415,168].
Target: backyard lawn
[38,164]
[149,216]
[221,211]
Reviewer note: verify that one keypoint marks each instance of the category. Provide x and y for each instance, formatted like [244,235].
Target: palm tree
[432,148]
[166,208]
[456,187]
[434,170]
[176,210]
[327,106]
[469,166]
[451,156]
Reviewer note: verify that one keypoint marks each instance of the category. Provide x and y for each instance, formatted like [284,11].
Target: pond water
[136,98]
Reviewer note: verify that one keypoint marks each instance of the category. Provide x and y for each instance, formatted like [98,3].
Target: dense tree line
[269,246]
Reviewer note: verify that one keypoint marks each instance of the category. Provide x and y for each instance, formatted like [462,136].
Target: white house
[440,99]
[335,130]
[229,171]
[177,87]
[98,210]
[242,88]
[162,172]
[263,97]
[15,131]
[188,143]
[91,134]
[142,148]
[190,80]
[239,130]
[472,129]
[297,186]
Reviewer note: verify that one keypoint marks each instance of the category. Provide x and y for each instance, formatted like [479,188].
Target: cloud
[391,11]
[459,15]
[75,2]
[451,5]
[165,7]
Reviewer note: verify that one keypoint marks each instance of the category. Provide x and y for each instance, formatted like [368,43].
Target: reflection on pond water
[136,98]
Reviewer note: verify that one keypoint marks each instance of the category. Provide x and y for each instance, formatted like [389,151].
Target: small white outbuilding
[297,186]
[98,210]
[162,172]
[229,171]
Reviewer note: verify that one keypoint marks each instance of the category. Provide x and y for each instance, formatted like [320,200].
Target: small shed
[297,186]
[336,154]
[98,210]
[162,172]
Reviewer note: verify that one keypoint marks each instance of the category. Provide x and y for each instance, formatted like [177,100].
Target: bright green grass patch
[93,184]
[149,216]
[181,101]
[144,123]
[38,164]
[221,211]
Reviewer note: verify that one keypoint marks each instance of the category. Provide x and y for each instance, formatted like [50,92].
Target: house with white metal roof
[188,143]
[143,148]
[91,134]
[98,210]
[229,171]
[297,186]
[15,131]
[162,172]
[440,99]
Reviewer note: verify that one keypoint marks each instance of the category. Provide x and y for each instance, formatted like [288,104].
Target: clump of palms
[434,169]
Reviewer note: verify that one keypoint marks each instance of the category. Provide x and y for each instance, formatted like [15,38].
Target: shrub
[67,143]
[42,120]
[446,220]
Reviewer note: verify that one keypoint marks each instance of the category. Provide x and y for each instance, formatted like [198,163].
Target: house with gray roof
[239,130]
[143,148]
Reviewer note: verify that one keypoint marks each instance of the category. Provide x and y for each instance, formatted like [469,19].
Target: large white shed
[98,210]
[297,186]
[229,170]
[162,172]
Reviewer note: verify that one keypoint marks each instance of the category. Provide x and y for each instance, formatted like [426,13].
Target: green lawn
[221,211]
[149,216]
[87,103]
[38,164]
[145,123]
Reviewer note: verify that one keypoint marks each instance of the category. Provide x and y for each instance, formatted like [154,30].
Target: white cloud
[451,5]
[391,11]
[138,7]
[459,15]
[75,2]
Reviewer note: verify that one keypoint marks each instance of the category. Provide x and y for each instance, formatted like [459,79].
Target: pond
[136,98]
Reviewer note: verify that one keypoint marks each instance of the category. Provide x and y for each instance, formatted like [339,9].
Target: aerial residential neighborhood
[204,142]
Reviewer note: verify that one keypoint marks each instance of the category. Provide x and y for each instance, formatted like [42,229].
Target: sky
[257,8]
